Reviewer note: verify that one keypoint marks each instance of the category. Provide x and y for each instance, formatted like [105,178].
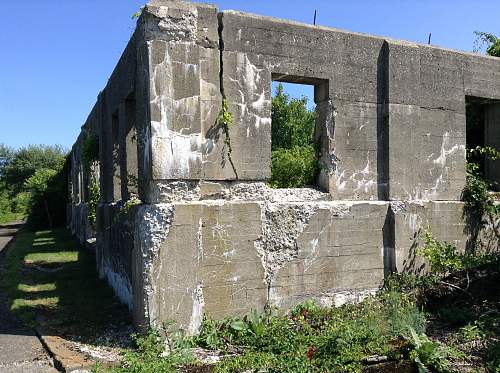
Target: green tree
[47,202]
[6,156]
[492,43]
[32,182]
[292,123]
[294,162]
[26,161]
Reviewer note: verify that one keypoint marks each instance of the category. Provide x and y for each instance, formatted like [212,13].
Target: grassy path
[51,282]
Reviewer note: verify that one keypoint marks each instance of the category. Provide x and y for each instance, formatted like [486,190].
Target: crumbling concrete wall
[186,223]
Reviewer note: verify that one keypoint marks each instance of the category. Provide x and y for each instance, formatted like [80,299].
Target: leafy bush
[26,161]
[444,258]
[292,123]
[312,338]
[294,162]
[31,182]
[479,203]
[47,205]
[429,354]
[294,168]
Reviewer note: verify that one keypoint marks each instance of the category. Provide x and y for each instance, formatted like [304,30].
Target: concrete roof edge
[343,31]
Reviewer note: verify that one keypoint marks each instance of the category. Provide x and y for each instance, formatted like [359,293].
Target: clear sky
[56,55]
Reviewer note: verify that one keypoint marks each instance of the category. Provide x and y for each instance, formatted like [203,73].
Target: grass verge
[50,279]
[9,217]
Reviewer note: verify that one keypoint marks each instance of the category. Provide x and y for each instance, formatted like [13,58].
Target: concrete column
[105,151]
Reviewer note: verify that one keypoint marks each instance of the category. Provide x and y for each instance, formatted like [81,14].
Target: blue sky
[56,55]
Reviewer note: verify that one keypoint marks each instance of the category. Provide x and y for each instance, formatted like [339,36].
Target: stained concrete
[208,235]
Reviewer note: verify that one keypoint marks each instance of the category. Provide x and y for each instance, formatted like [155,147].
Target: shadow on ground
[50,282]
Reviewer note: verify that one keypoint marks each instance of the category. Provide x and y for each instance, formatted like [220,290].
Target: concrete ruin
[209,236]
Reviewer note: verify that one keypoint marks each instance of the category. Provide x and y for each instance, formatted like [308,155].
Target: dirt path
[20,348]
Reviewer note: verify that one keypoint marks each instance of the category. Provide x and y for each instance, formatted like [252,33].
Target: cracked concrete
[210,237]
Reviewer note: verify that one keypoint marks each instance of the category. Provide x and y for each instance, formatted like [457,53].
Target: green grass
[48,277]
[8,217]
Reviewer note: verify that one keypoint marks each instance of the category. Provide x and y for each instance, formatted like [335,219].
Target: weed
[312,338]
[428,354]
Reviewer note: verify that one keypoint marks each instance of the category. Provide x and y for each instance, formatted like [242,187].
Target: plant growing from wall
[225,121]
[133,200]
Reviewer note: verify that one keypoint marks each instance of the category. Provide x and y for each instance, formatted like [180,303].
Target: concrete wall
[210,237]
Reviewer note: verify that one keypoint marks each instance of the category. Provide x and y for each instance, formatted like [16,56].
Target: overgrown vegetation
[32,183]
[308,339]
[294,162]
[394,325]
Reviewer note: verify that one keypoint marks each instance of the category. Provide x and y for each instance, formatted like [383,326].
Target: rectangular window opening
[297,125]
[483,130]
[129,155]
[115,127]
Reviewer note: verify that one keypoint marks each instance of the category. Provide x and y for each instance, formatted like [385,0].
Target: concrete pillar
[105,151]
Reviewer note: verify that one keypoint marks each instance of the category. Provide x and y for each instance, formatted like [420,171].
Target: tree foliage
[492,43]
[26,161]
[292,123]
[32,182]
[6,156]
[294,162]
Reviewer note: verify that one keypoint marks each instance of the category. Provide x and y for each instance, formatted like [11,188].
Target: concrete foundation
[186,228]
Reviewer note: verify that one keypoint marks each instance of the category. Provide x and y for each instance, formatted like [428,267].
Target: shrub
[444,258]
[313,338]
[47,204]
[294,162]
[294,168]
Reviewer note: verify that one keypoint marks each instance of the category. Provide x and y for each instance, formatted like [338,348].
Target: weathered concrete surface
[221,258]
[413,218]
[210,237]
[340,251]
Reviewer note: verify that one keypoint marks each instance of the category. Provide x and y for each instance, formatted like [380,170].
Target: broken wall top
[387,104]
